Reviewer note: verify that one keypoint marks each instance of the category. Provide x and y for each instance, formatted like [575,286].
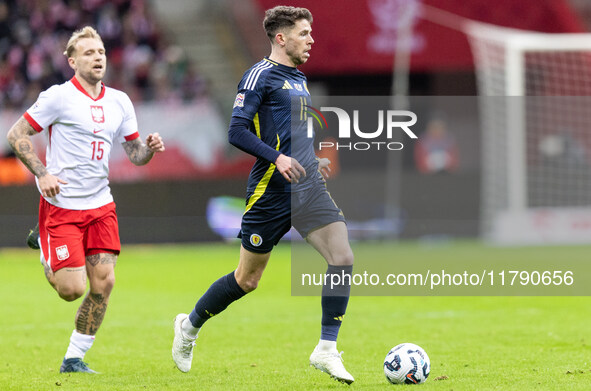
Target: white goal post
[535,104]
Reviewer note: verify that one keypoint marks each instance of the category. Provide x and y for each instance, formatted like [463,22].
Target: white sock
[79,345]
[326,346]
[188,329]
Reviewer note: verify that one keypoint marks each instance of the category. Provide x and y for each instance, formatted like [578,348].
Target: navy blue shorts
[272,215]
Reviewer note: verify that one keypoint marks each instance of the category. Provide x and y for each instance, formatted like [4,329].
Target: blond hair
[85,32]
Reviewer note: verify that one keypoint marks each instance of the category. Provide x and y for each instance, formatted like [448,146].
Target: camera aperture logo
[394,120]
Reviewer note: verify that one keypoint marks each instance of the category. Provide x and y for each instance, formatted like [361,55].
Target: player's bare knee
[103,284]
[108,283]
[348,258]
[68,296]
[343,259]
[70,293]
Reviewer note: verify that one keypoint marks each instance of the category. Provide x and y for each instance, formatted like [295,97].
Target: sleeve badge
[239,102]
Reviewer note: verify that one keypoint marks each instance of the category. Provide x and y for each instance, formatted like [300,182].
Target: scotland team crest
[98,115]
[256,240]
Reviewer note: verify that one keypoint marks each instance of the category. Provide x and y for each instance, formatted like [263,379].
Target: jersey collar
[288,68]
[81,89]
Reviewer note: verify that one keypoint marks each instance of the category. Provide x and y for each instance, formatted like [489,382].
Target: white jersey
[81,131]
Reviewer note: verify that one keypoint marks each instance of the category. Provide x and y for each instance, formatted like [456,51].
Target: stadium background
[180,63]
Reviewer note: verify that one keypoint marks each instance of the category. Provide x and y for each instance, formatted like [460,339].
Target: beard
[94,77]
[296,57]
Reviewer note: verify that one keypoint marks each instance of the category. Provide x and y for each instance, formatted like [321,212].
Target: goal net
[535,104]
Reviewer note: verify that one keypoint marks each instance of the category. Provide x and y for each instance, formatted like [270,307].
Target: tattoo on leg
[93,259]
[102,258]
[91,313]
[48,274]
[48,271]
[108,258]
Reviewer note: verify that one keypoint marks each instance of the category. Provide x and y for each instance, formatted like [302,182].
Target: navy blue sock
[335,297]
[218,297]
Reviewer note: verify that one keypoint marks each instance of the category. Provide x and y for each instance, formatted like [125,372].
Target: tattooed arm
[19,138]
[140,153]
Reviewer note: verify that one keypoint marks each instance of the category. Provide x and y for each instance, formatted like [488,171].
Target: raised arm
[140,153]
[19,138]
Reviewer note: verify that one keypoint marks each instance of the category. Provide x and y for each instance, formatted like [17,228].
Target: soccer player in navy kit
[286,187]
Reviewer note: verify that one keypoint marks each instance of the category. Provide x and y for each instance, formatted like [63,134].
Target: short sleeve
[128,130]
[46,110]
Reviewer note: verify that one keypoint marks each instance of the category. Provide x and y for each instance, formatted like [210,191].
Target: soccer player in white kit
[79,234]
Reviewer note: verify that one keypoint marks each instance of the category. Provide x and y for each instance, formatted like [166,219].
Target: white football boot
[331,362]
[182,346]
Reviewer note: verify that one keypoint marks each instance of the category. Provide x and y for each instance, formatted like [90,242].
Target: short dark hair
[282,16]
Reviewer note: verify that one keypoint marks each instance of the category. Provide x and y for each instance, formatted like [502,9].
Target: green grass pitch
[263,342]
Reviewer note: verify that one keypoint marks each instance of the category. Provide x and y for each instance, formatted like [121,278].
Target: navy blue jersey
[273,97]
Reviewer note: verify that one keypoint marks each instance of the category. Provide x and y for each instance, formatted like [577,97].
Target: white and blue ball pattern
[407,363]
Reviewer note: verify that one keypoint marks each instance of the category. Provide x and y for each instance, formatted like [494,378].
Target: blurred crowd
[140,59]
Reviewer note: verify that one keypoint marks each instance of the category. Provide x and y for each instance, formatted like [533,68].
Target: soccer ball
[407,363]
